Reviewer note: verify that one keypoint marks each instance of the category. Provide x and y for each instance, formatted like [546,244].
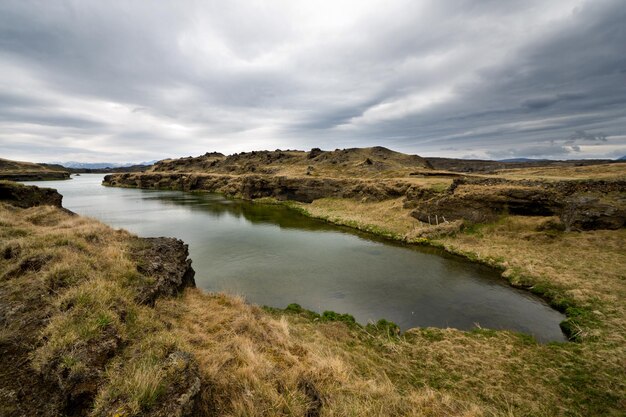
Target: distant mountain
[99,165]
[623,158]
[522,160]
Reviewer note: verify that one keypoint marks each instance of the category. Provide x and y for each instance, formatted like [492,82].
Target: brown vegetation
[28,171]
[84,294]
[376,162]
[73,322]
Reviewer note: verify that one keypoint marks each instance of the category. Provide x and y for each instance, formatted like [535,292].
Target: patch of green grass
[334,316]
[384,326]
[473,229]
[440,187]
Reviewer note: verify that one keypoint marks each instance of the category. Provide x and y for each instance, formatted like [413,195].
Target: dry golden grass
[7,165]
[386,218]
[389,216]
[604,171]
[257,362]
[79,270]
[580,272]
[587,267]
[9,168]
[253,364]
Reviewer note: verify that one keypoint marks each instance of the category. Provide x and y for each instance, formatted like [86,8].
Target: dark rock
[165,261]
[480,206]
[303,189]
[180,397]
[80,388]
[28,195]
[315,152]
[589,213]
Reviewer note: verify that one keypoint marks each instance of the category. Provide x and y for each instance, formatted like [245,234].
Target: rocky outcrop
[586,212]
[28,196]
[476,200]
[78,389]
[359,162]
[302,189]
[28,171]
[479,205]
[581,204]
[35,176]
[164,261]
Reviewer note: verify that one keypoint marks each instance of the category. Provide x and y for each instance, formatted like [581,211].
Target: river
[275,256]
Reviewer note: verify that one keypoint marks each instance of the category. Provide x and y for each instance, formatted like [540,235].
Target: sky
[132,81]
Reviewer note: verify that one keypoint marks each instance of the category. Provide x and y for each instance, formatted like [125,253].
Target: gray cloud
[141,80]
[583,135]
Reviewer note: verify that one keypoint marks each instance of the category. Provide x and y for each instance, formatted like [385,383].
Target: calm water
[275,256]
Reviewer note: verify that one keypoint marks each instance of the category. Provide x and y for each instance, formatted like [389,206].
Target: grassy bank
[28,171]
[579,273]
[73,319]
[74,337]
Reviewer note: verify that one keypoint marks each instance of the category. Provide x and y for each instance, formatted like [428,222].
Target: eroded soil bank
[81,337]
[579,204]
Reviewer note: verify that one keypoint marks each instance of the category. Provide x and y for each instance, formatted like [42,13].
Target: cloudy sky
[140,80]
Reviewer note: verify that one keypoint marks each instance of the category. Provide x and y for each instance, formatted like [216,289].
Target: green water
[275,256]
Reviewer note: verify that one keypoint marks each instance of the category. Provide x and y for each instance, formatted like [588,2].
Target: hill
[354,162]
[489,166]
[28,171]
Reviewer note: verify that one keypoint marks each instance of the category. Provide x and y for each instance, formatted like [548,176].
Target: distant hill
[522,160]
[355,162]
[25,171]
[489,166]
[99,165]
[623,158]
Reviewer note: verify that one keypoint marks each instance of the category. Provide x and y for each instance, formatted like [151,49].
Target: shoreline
[551,295]
[224,345]
[511,278]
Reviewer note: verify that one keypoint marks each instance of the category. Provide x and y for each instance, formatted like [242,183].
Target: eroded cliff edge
[585,204]
[76,314]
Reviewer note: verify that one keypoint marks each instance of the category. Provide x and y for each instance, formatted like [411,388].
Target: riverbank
[523,248]
[579,272]
[546,209]
[35,176]
[28,171]
[251,361]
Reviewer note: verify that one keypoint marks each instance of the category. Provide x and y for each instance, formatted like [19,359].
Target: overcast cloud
[141,80]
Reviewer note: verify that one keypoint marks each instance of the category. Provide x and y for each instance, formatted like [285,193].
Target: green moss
[329,315]
[484,332]
[440,188]
[103,320]
[383,326]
